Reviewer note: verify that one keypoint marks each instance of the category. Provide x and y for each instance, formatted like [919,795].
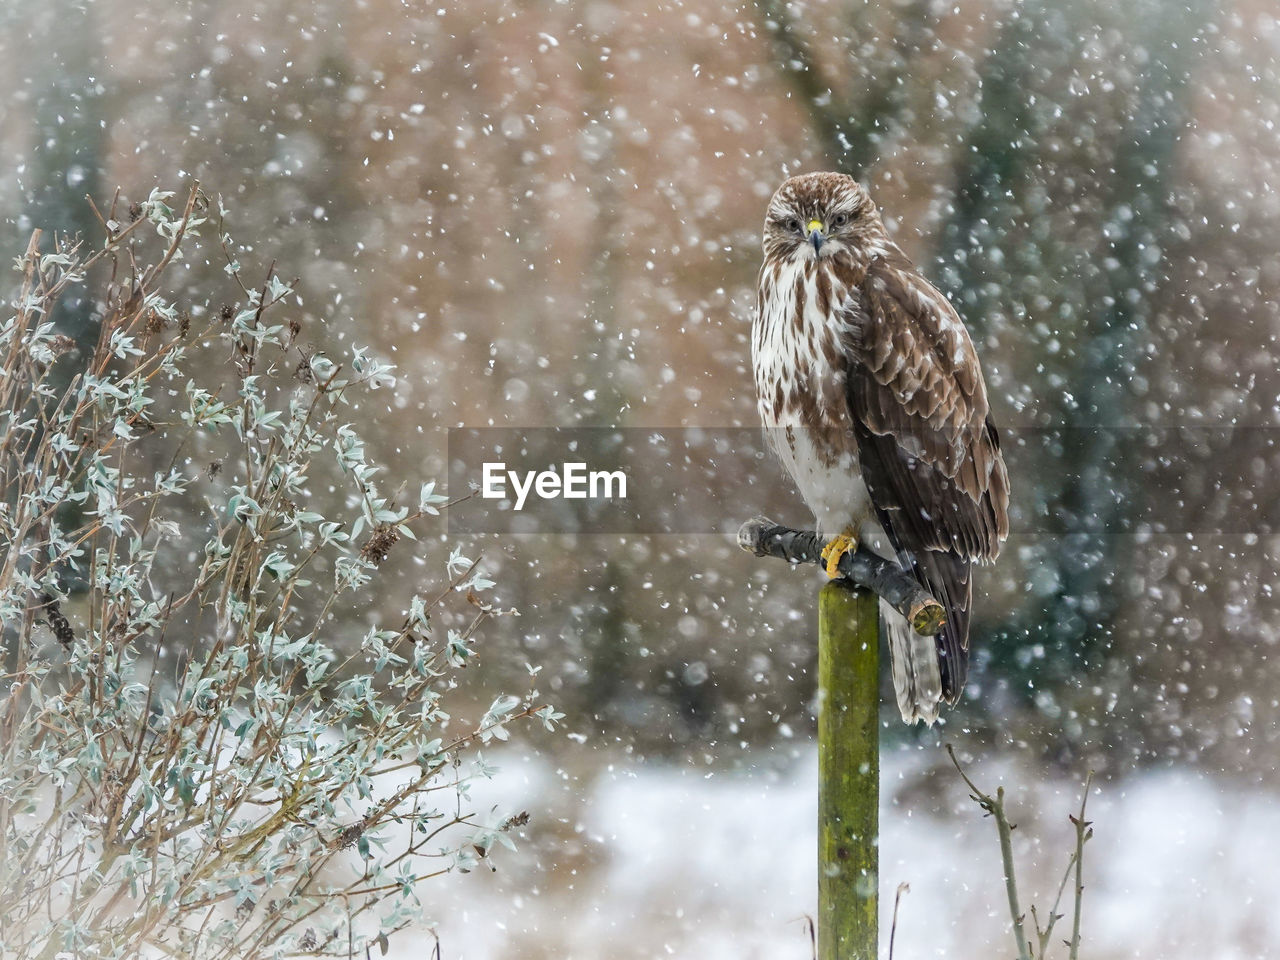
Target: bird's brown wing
[929,453]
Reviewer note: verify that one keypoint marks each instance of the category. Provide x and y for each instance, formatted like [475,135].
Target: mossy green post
[848,771]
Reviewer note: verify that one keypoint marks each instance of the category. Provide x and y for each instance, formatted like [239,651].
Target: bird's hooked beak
[815,235]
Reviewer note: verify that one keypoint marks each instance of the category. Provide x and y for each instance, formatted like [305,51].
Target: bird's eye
[840,220]
[793,225]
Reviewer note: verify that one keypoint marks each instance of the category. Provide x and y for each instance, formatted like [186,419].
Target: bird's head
[819,215]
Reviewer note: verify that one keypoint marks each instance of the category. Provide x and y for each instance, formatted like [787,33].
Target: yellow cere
[815,225]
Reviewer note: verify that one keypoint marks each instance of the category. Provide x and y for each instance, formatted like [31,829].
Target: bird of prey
[871,394]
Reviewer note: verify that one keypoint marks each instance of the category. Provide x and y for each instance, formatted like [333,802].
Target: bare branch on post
[882,577]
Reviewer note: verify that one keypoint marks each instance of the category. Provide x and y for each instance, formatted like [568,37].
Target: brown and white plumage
[871,393]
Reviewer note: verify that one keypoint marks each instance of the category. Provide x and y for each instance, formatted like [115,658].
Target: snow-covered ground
[655,861]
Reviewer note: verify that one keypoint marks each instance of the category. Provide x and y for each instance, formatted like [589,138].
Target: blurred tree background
[548,214]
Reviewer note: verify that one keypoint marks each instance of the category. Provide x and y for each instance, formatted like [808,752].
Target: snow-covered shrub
[197,758]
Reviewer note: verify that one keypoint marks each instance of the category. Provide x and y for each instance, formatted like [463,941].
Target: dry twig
[994,808]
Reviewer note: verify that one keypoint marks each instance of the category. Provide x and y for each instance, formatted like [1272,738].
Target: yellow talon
[839,545]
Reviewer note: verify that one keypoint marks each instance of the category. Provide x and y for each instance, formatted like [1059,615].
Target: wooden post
[848,771]
[848,724]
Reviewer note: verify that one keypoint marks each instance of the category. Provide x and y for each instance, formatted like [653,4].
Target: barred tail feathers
[913,660]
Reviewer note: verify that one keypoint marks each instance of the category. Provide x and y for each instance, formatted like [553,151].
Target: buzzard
[871,395]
